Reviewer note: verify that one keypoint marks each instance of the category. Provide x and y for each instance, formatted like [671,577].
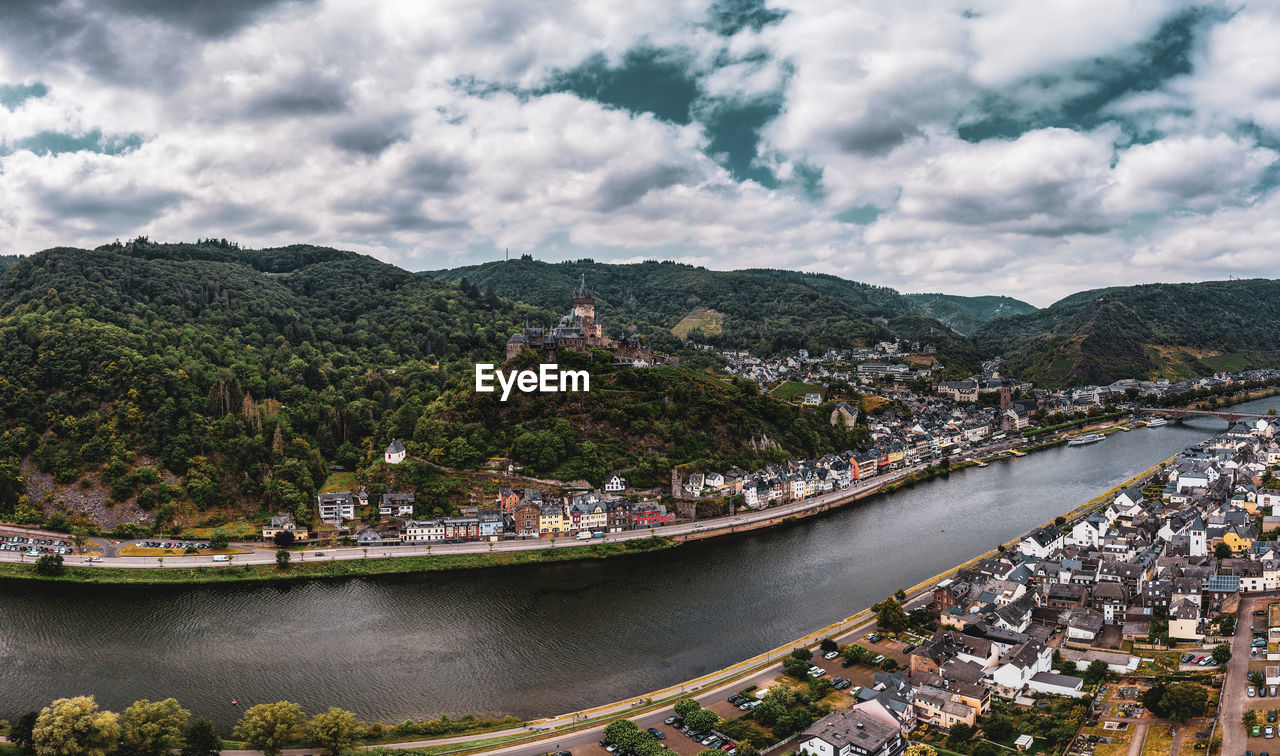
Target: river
[543,640]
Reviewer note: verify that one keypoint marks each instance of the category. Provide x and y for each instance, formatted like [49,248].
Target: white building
[394,454]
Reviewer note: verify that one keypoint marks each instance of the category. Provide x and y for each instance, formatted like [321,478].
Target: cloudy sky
[1029,149]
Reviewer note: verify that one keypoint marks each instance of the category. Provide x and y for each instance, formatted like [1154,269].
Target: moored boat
[1088,438]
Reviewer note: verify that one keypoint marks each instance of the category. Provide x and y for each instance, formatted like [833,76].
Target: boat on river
[1156,422]
[1088,438]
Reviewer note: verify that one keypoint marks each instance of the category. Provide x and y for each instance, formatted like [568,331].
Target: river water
[543,640]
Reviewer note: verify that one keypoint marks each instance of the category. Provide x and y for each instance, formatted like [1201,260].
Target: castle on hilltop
[579,331]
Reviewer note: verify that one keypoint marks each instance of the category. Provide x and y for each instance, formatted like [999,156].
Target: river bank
[532,553]
[320,570]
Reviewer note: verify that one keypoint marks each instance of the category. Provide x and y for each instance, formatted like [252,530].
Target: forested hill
[1152,330]
[168,382]
[766,311]
[966,314]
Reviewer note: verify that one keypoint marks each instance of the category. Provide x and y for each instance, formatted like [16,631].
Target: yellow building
[551,520]
[1237,539]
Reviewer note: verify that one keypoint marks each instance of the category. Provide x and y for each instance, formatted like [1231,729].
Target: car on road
[319,553]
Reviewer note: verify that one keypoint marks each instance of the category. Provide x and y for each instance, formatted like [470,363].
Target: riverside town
[715,378]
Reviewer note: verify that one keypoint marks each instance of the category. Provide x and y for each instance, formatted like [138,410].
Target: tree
[202,739]
[284,538]
[829,644]
[75,726]
[900,596]
[702,719]
[1096,672]
[960,733]
[796,668]
[1222,551]
[919,749]
[686,706]
[1250,718]
[997,727]
[889,615]
[1182,701]
[710,752]
[334,730]
[219,539]
[803,654]
[1256,677]
[49,564]
[1059,521]
[20,732]
[1222,653]
[858,653]
[269,727]
[153,728]
[618,730]
[282,559]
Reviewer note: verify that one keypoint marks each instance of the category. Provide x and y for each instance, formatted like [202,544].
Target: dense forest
[1152,330]
[966,314]
[184,378]
[765,311]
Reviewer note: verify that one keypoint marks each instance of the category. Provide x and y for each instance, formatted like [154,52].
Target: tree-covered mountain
[965,314]
[186,378]
[1151,330]
[766,311]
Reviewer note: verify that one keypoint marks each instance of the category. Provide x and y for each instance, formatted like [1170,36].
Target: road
[1232,704]
[704,528]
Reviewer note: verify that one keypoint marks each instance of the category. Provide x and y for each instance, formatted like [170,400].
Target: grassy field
[710,322]
[350,568]
[338,481]
[794,391]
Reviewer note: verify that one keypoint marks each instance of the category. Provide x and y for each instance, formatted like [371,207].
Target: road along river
[535,641]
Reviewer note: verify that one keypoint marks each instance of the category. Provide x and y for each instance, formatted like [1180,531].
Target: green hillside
[966,314]
[766,311]
[174,381]
[1152,330]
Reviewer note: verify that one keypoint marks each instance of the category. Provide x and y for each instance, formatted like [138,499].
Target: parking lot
[32,546]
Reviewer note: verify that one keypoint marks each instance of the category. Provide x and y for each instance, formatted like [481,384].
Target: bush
[49,564]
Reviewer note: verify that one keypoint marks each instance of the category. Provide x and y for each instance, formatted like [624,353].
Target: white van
[222,558]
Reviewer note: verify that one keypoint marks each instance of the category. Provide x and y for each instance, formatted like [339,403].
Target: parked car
[1271,691]
[879,658]
[659,734]
[847,663]
[830,655]
[1271,715]
[1252,692]
[874,637]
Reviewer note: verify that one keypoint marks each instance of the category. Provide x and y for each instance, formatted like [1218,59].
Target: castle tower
[1006,396]
[584,309]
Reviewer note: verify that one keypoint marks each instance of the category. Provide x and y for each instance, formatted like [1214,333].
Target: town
[938,429]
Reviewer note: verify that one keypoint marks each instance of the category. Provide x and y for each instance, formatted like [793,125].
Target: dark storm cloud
[124,207]
[306,95]
[434,174]
[213,19]
[875,134]
[103,39]
[371,137]
[617,193]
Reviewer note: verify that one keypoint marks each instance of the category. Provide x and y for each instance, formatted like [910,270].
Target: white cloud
[342,123]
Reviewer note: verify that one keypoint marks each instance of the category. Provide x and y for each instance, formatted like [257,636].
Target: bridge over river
[1181,413]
